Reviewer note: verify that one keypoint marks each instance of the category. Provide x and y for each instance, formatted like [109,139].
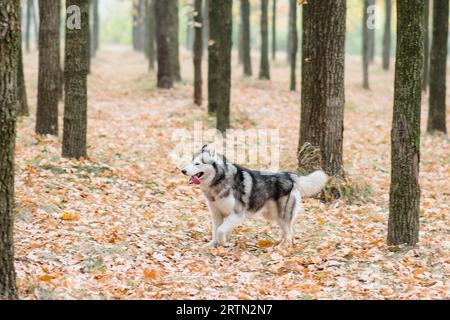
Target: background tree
[294,42]
[403,226]
[9,53]
[264,69]
[323,93]
[49,68]
[372,34]
[245,20]
[76,71]
[165,80]
[198,52]
[29,16]
[438,68]
[22,92]
[95,38]
[219,61]
[206,24]
[366,45]
[173,21]
[274,29]
[426,41]
[387,35]
[151,54]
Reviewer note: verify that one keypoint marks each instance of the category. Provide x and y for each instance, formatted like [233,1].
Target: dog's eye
[197,164]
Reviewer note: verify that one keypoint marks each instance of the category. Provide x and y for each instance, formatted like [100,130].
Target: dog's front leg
[229,223]
[217,220]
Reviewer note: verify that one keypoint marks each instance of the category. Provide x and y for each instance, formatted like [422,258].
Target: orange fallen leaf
[150,273]
[69,216]
[48,277]
[265,243]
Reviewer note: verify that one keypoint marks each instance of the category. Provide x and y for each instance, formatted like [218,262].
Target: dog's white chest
[224,205]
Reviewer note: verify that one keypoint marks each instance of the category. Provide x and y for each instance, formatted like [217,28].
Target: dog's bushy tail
[312,184]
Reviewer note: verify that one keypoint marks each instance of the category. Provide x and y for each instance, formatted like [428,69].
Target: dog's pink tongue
[194,180]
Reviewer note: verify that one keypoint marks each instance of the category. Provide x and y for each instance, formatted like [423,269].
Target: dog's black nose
[184,172]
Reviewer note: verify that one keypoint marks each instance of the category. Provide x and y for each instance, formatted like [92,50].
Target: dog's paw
[212,244]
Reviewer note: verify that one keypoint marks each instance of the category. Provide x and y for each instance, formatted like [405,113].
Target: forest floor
[125,224]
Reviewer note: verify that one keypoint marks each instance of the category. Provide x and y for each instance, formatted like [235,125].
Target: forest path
[125,224]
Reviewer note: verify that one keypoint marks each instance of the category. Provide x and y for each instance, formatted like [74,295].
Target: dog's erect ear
[204,147]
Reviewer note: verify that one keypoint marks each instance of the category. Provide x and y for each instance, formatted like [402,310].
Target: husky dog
[234,193]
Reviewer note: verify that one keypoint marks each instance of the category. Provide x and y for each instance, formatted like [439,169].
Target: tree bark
[22,91]
[403,225]
[372,38]
[165,79]
[173,42]
[198,52]
[426,69]
[274,29]
[49,68]
[387,35]
[151,34]
[246,54]
[294,42]
[366,45]
[323,91]
[9,39]
[135,25]
[76,71]
[264,69]
[219,62]
[438,68]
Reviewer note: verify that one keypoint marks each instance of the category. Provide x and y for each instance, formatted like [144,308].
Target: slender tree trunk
[426,69]
[274,29]
[323,91]
[198,52]
[219,62]
[206,24]
[76,71]
[294,42]
[28,25]
[165,78]
[22,92]
[245,20]
[151,33]
[8,110]
[173,42]
[49,68]
[264,69]
[387,35]
[438,67]
[372,36]
[403,226]
[288,41]
[135,36]
[366,45]
[241,41]
[95,28]
[35,16]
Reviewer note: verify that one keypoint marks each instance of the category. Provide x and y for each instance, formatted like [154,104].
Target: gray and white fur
[234,193]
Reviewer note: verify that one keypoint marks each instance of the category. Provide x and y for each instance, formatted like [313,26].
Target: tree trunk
[323,92]
[8,110]
[28,25]
[438,67]
[294,42]
[165,80]
[95,28]
[245,20]
[206,24]
[219,62]
[49,68]
[22,92]
[198,52]
[173,42]
[151,34]
[135,26]
[264,69]
[403,226]
[387,35]
[372,36]
[426,69]
[366,45]
[76,70]
[274,29]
